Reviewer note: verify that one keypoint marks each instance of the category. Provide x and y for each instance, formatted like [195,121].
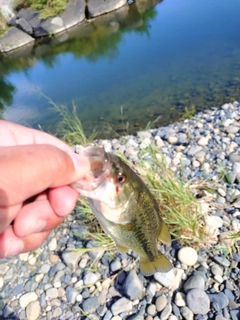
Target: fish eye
[120,178]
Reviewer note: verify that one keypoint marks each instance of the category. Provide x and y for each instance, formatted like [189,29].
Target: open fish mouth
[99,170]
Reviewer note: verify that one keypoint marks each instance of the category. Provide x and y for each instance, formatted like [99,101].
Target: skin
[36,170]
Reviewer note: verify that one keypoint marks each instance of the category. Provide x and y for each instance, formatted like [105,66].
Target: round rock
[187,256]
[198,301]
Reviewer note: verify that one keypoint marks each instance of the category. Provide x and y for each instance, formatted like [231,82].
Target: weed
[70,128]
[179,207]
[46,8]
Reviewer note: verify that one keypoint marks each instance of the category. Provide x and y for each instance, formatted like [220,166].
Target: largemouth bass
[126,209]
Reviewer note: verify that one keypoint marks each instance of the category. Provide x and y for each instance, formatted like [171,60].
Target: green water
[129,67]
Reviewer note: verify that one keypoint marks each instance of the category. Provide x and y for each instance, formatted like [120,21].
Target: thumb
[28,170]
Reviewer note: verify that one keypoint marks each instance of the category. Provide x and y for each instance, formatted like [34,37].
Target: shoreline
[55,281]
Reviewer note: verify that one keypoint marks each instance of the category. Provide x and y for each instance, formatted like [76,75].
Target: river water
[129,67]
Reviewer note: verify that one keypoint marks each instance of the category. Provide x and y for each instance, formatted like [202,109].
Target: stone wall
[26,24]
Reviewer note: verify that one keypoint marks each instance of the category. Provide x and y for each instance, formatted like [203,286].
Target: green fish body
[129,213]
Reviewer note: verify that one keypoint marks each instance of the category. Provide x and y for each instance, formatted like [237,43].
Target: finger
[7,215]
[63,200]
[28,170]
[11,245]
[19,135]
[35,217]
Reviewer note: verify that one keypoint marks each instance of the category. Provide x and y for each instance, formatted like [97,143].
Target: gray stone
[193,150]
[71,294]
[194,282]
[57,312]
[161,303]
[186,313]
[26,298]
[27,14]
[234,157]
[222,261]
[98,7]
[235,314]
[229,294]
[166,312]
[71,258]
[198,301]
[45,268]
[232,129]
[121,305]
[33,310]
[144,134]
[151,310]
[133,286]
[90,278]
[115,265]
[7,311]
[90,305]
[13,39]
[220,299]
[216,269]
[165,279]
[23,25]
[31,285]
[52,293]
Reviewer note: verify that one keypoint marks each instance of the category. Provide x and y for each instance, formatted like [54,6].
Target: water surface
[130,67]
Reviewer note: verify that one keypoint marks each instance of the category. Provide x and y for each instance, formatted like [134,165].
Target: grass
[69,128]
[3,24]
[46,8]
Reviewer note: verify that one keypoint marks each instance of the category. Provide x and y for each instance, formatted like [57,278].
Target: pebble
[186,313]
[26,298]
[121,305]
[133,287]
[220,299]
[194,282]
[180,299]
[198,301]
[52,293]
[91,304]
[165,279]
[222,261]
[71,294]
[187,256]
[161,303]
[33,310]
[71,258]
[151,310]
[166,312]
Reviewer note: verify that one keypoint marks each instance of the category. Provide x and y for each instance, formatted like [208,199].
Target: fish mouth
[99,170]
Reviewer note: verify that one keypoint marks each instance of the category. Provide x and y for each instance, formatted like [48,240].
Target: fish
[126,209]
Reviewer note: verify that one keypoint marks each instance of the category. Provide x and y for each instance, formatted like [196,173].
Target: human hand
[36,170]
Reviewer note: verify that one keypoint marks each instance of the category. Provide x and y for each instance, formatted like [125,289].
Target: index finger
[14,134]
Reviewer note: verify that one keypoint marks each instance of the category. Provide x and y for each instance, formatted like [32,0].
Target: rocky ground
[55,282]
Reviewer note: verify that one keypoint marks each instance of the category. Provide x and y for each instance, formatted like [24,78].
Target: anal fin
[164,235]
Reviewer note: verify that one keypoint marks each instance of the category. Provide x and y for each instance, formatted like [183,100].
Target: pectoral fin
[159,264]
[164,235]
[121,249]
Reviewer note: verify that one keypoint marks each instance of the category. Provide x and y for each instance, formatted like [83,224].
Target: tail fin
[159,264]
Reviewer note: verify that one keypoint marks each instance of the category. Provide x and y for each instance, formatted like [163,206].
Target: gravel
[56,282]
